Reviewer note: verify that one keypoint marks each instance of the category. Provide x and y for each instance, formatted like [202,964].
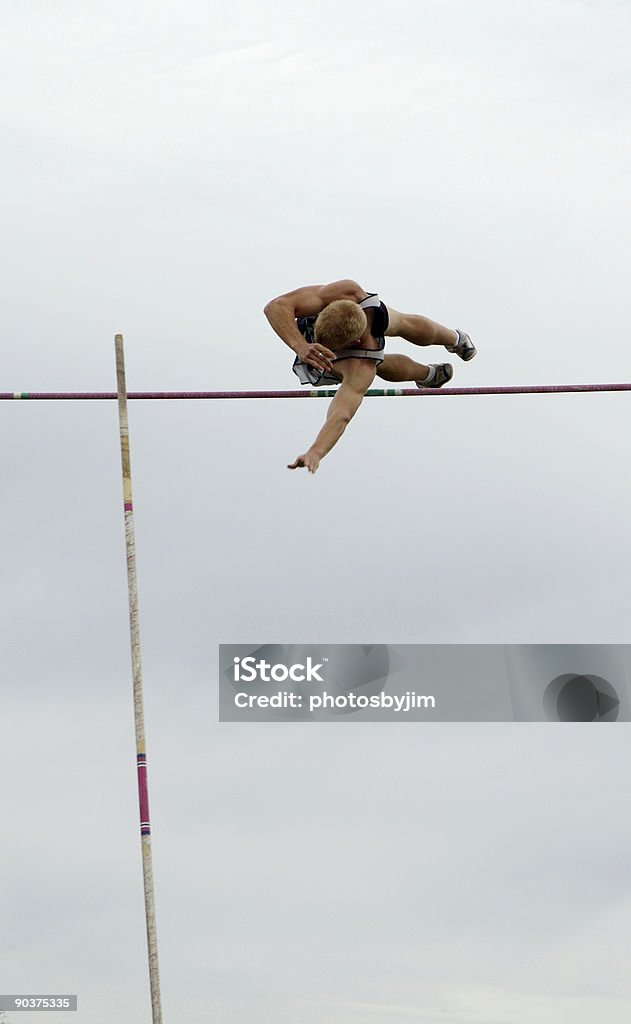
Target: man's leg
[420,330]
[398,369]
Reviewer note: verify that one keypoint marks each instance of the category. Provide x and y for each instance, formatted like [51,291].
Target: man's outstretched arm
[358,376]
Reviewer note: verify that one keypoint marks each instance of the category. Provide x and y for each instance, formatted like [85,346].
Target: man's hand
[309,461]
[316,355]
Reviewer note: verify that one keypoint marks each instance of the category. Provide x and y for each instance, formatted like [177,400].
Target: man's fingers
[322,358]
[303,462]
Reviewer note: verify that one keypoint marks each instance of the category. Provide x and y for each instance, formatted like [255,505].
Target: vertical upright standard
[134,629]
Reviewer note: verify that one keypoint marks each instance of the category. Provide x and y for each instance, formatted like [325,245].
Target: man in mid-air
[338,333]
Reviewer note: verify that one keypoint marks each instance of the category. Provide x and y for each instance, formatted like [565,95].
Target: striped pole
[134,629]
[529,389]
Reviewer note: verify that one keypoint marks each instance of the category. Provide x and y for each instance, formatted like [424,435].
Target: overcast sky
[168,168]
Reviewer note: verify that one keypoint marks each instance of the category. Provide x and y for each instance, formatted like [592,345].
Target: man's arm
[309,301]
[358,376]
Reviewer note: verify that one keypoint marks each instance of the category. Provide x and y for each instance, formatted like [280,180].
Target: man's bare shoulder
[313,298]
[345,289]
[357,374]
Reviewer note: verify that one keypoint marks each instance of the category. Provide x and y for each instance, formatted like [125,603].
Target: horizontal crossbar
[535,389]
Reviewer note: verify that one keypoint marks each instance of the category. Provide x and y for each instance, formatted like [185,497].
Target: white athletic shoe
[444,373]
[464,347]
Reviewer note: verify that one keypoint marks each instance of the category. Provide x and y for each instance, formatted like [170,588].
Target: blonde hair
[340,324]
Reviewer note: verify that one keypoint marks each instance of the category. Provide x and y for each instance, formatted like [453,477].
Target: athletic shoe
[464,347]
[444,373]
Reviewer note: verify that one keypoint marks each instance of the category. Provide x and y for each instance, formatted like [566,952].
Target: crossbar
[534,389]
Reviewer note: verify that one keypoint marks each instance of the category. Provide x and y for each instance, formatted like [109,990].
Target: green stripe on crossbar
[378,392]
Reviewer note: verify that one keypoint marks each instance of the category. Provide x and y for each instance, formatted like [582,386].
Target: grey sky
[166,170]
